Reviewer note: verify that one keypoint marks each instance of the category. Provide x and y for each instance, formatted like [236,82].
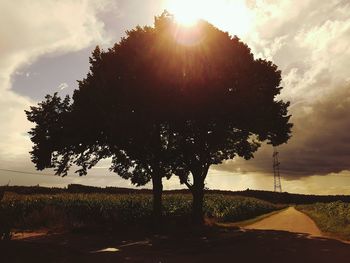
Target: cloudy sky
[45,45]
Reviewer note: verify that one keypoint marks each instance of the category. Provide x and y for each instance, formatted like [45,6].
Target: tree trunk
[2,191]
[197,207]
[157,197]
[157,176]
[197,190]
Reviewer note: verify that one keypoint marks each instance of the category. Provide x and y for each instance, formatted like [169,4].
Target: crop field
[332,218]
[74,210]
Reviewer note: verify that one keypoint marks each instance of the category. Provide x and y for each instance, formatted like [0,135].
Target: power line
[23,172]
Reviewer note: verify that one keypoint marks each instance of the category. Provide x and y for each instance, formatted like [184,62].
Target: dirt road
[288,220]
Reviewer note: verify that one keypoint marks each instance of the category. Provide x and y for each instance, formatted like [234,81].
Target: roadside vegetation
[332,218]
[117,210]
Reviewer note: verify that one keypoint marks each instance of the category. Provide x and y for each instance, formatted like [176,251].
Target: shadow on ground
[210,245]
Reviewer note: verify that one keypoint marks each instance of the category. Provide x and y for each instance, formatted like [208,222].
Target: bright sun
[185,11]
[230,15]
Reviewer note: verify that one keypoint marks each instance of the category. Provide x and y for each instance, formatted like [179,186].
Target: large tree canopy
[227,101]
[164,100]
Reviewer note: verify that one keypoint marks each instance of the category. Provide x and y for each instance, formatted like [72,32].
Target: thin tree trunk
[157,178]
[157,197]
[2,191]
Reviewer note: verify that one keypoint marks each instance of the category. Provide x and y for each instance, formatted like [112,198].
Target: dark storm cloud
[323,136]
[320,144]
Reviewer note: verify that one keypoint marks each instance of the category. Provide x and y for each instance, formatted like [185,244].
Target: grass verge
[333,219]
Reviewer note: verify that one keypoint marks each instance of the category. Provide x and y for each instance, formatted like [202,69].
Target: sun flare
[184,11]
[231,15]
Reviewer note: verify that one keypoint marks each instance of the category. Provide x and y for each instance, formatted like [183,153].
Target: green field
[75,210]
[332,218]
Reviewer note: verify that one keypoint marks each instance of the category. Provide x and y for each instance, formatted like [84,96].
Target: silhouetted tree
[227,102]
[120,112]
[164,100]
[48,134]
[128,97]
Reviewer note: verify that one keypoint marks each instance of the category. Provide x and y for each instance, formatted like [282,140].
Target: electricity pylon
[276,171]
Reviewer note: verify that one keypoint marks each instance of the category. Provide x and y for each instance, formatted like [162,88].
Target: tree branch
[189,185]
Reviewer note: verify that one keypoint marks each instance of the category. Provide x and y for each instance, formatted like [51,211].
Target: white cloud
[329,57]
[63,86]
[308,40]
[28,30]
